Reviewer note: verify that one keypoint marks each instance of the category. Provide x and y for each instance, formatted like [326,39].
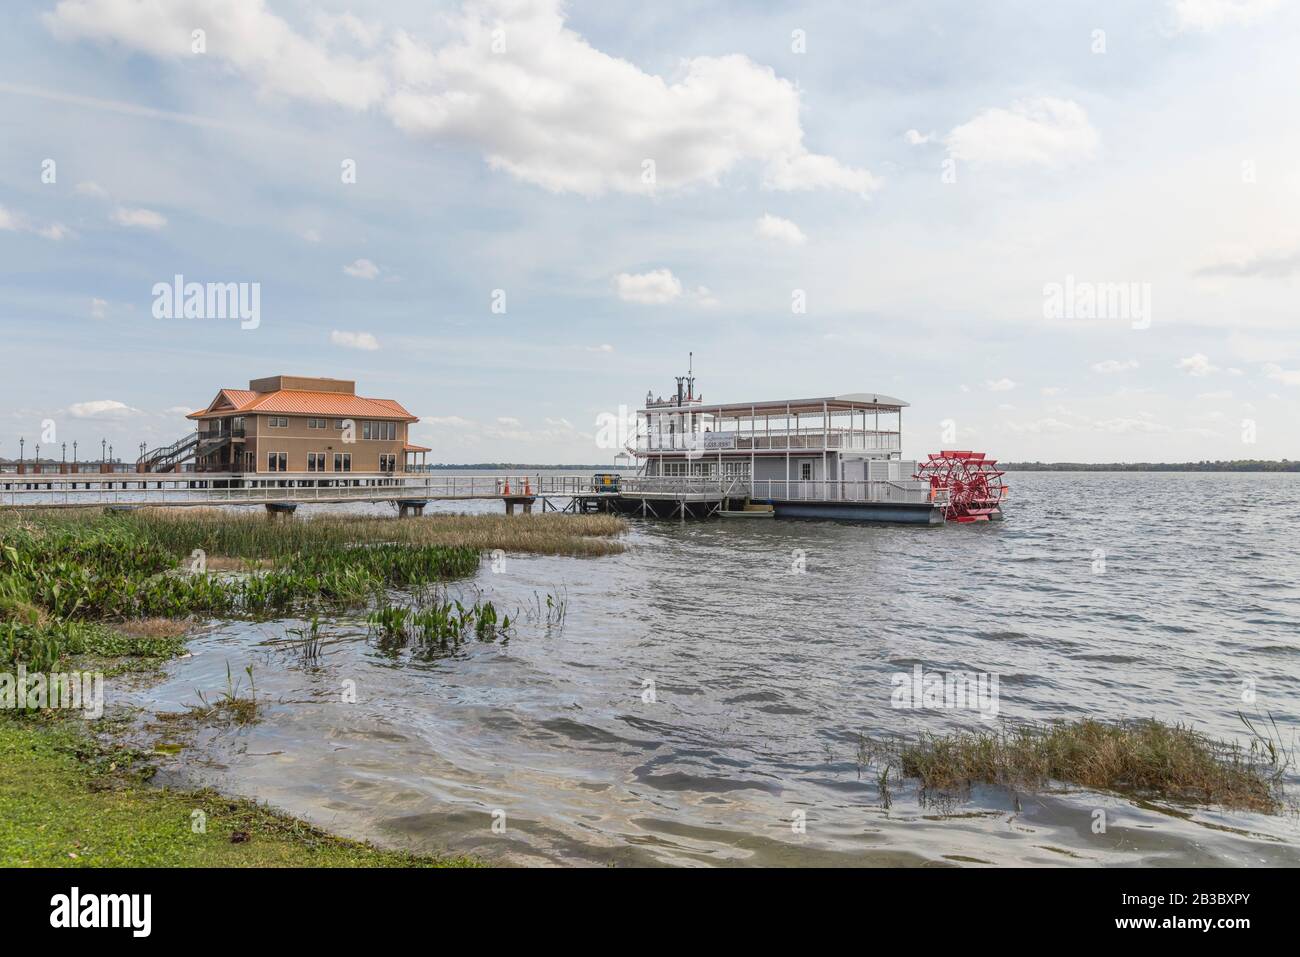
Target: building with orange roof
[301,424]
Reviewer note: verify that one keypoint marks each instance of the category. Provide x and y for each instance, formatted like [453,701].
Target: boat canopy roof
[850,401]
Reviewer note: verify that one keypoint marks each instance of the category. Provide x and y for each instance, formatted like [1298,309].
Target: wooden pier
[653,497]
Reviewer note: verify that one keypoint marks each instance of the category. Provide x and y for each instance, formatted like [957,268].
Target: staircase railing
[167,458]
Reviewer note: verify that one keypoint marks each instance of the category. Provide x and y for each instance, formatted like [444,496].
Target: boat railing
[700,442]
[902,492]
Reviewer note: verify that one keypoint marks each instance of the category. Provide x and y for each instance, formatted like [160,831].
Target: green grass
[1147,758]
[66,802]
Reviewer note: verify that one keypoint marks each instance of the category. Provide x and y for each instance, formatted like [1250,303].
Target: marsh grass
[230,705]
[1143,758]
[227,535]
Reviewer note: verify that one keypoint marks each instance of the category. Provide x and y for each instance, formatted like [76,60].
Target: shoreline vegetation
[1233,465]
[109,591]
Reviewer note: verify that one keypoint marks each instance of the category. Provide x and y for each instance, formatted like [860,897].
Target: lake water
[772,646]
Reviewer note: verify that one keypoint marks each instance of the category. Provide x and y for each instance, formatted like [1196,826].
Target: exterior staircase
[169,458]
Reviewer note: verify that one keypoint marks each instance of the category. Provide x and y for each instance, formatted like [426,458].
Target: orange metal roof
[417,448]
[294,402]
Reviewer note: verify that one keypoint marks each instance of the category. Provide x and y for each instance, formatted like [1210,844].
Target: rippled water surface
[764,679]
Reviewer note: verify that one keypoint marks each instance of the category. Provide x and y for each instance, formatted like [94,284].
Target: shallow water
[764,676]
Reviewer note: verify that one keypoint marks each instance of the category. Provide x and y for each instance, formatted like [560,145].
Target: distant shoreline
[1238,465]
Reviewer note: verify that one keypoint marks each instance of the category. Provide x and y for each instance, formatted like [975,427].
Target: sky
[1061,232]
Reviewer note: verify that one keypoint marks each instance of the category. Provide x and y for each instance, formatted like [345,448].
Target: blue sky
[917,174]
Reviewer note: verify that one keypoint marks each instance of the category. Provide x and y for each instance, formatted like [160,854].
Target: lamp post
[63,458]
[38,458]
[103,456]
[74,455]
[21,443]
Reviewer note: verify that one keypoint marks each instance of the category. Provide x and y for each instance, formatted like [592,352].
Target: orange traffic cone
[507,491]
[528,488]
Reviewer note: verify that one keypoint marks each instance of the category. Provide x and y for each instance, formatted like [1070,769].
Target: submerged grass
[1147,758]
[68,801]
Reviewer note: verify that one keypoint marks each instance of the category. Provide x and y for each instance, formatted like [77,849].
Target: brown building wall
[297,440]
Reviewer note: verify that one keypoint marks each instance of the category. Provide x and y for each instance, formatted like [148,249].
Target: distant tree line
[1234,465]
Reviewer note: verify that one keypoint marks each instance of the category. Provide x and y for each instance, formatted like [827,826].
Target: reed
[245,534]
[1147,758]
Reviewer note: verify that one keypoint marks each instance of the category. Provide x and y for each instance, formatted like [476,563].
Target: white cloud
[101,409]
[1050,390]
[917,138]
[650,288]
[311,235]
[447,422]
[1208,15]
[90,189]
[603,347]
[99,309]
[549,108]
[1039,426]
[1127,426]
[782,230]
[16,222]
[1278,374]
[1220,394]
[362,269]
[509,421]
[137,217]
[354,340]
[252,42]
[1043,131]
[1000,385]
[1112,366]
[1197,365]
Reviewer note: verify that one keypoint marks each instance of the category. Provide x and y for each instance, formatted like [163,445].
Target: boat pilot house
[297,424]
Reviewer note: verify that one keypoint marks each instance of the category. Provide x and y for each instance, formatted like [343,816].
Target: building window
[381,431]
[277,422]
[674,468]
[277,461]
[805,471]
[735,469]
[315,461]
[316,423]
[338,425]
[388,463]
[342,461]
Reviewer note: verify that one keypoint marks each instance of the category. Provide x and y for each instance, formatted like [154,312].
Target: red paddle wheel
[973,484]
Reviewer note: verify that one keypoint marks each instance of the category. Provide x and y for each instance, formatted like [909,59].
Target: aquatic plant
[309,645]
[436,624]
[1146,757]
[230,704]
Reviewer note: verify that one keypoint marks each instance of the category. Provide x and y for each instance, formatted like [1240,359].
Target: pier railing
[679,485]
[68,489]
